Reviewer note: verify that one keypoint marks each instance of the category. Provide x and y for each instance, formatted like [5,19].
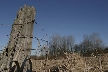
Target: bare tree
[76,48]
[70,43]
[59,44]
[55,44]
[92,44]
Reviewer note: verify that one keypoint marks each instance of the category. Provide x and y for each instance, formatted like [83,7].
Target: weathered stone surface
[20,41]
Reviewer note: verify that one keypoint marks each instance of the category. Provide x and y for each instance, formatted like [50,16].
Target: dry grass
[72,63]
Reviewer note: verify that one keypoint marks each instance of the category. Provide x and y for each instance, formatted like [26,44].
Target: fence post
[20,41]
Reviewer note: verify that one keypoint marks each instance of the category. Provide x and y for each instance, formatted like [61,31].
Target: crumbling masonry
[16,56]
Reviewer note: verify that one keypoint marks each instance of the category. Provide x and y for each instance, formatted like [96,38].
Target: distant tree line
[92,45]
[60,44]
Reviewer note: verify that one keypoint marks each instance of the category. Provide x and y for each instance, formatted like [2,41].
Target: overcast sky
[65,17]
